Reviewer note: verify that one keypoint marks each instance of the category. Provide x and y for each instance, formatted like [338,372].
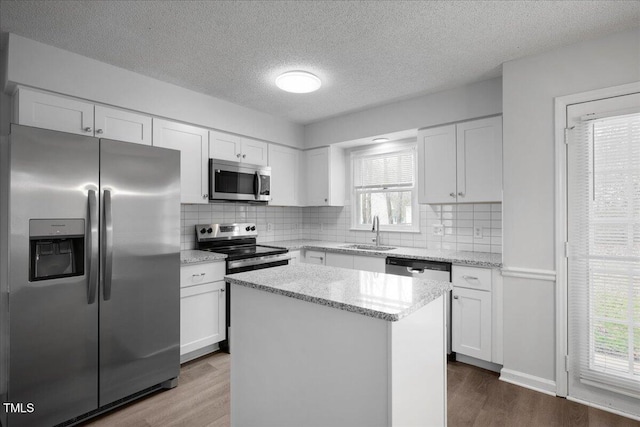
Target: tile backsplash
[277,223]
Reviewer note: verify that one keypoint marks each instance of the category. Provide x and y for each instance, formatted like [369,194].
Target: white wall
[529,87]
[38,65]
[461,103]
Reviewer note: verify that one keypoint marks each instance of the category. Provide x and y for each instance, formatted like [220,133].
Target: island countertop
[383,296]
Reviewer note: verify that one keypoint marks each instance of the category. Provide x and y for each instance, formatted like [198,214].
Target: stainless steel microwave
[239,181]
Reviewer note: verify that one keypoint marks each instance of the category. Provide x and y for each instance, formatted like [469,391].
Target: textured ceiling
[366,52]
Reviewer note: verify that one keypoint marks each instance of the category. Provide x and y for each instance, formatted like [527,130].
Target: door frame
[560,113]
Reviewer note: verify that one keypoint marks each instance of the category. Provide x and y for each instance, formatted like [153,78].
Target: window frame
[387,148]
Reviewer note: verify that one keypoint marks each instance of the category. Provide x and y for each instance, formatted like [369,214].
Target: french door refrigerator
[90,292]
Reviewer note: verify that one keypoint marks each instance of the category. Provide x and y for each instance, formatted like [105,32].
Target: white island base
[297,363]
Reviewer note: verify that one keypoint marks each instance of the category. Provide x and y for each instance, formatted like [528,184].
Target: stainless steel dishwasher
[430,270]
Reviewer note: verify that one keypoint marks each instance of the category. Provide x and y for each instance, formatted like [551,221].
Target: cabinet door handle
[453,195]
[204,196]
[238,155]
[244,156]
[461,194]
[221,291]
[455,297]
[100,131]
[88,129]
[469,277]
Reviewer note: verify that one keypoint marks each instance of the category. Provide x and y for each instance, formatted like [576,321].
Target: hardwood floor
[475,398]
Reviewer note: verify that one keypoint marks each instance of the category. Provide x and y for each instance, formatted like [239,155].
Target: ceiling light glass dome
[298,82]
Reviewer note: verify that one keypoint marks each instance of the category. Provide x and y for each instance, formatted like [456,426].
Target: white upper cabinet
[122,125]
[325,175]
[224,146]
[285,172]
[44,110]
[479,152]
[193,144]
[461,163]
[235,148]
[437,165]
[255,152]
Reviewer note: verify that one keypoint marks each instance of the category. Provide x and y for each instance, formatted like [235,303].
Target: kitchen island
[322,346]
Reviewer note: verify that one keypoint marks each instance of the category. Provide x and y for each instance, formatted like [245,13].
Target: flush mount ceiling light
[380,139]
[298,82]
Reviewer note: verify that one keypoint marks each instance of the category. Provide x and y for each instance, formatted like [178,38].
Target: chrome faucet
[376,228]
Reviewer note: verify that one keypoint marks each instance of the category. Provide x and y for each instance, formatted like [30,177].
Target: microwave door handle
[93,267]
[107,246]
[257,185]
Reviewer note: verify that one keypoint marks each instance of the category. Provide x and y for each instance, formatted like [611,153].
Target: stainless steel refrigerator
[90,311]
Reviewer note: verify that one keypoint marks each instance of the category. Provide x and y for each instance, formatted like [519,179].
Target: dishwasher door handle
[413,270]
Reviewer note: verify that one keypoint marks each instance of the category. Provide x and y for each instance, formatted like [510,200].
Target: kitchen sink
[368,247]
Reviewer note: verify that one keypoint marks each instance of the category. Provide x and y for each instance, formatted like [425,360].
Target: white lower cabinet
[472,314]
[471,322]
[314,257]
[295,257]
[369,263]
[202,309]
[341,260]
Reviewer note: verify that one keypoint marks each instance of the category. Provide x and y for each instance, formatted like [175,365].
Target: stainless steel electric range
[238,242]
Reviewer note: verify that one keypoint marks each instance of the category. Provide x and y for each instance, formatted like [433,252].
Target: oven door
[240,266]
[238,181]
[257,263]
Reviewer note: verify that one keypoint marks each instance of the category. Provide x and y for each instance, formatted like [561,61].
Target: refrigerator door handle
[93,268]
[107,248]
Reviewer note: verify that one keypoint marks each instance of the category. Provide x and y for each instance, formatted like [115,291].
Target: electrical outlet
[438,229]
[269,226]
[478,232]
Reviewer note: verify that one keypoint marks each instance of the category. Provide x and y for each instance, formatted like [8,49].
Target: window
[604,256]
[384,185]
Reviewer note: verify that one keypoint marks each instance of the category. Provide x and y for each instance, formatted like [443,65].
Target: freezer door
[53,324]
[140,269]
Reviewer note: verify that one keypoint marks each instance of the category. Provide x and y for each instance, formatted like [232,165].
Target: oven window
[234,182]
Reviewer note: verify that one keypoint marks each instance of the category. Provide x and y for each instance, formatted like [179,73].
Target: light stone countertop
[383,296]
[478,259]
[192,256]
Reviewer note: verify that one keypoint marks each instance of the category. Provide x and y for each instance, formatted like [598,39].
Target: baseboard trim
[490,366]
[199,352]
[532,382]
[605,408]
[529,273]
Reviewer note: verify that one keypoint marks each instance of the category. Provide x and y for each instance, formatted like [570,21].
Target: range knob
[210,230]
[253,228]
[203,230]
[248,228]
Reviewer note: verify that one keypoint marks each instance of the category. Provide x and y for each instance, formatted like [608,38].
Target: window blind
[604,259]
[384,171]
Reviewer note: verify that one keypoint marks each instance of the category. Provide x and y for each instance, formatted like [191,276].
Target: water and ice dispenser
[56,248]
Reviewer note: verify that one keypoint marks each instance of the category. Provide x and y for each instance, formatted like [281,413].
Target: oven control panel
[206,232]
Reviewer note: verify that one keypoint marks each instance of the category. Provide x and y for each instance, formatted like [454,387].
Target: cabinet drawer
[201,273]
[314,257]
[471,277]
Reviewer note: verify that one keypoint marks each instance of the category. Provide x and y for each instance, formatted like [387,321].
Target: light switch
[478,232]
